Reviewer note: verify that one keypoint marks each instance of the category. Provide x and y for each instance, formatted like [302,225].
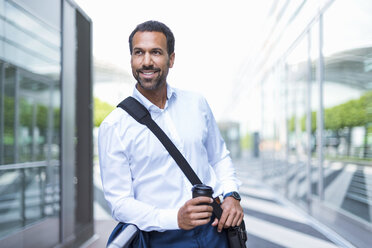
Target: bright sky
[213,39]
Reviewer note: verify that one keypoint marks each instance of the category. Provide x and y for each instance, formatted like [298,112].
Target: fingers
[228,219]
[221,222]
[200,215]
[240,219]
[232,214]
[198,208]
[215,222]
[200,200]
[192,214]
[197,212]
[237,219]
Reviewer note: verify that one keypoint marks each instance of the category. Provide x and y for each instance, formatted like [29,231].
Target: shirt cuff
[168,218]
[230,188]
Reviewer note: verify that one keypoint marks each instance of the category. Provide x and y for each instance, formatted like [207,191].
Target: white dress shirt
[141,182]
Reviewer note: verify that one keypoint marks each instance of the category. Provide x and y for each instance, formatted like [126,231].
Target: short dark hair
[154,26]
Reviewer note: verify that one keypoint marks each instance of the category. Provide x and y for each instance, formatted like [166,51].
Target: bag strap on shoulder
[135,109]
[142,115]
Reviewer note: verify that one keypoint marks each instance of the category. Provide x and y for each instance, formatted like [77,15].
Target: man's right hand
[192,214]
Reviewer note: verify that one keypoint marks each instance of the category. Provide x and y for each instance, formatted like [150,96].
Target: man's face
[150,60]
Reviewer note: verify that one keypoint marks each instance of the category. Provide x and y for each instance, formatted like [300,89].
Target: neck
[158,96]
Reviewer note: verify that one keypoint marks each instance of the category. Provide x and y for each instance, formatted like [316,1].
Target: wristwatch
[233,194]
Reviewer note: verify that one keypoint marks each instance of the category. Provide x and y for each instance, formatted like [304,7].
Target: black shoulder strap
[142,115]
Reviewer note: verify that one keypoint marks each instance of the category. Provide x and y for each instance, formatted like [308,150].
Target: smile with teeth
[148,74]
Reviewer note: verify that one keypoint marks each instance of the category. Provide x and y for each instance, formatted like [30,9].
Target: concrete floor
[271,222]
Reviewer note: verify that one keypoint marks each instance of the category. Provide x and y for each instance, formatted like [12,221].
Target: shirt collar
[149,105]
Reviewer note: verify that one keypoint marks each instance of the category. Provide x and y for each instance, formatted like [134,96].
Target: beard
[150,83]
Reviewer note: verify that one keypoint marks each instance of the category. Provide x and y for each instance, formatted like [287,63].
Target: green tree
[25,113]
[42,117]
[9,120]
[246,142]
[313,122]
[346,116]
[101,110]
[292,124]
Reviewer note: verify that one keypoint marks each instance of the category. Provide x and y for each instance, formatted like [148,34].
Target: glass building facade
[313,77]
[41,43]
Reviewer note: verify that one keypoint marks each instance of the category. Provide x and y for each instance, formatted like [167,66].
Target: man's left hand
[232,214]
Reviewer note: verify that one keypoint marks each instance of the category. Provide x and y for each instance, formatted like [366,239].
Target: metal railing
[26,195]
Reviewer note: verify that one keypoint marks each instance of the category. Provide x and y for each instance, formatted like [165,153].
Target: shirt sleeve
[218,155]
[118,190]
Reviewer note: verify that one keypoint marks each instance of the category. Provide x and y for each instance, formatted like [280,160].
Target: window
[347,107]
[29,119]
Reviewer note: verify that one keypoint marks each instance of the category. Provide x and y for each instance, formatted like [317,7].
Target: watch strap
[233,194]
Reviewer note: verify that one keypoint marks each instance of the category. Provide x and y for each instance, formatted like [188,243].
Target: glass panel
[25,129]
[10,201]
[297,83]
[1,30]
[347,107]
[29,42]
[34,121]
[27,196]
[47,51]
[280,129]
[30,121]
[1,113]
[35,26]
[272,149]
[267,138]
[41,197]
[9,115]
[55,131]
[32,193]
[314,105]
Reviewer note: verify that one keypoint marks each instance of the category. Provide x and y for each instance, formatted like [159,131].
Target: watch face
[236,195]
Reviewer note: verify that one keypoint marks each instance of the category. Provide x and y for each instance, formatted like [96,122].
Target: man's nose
[147,59]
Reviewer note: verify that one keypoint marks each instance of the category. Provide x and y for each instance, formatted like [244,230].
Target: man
[142,183]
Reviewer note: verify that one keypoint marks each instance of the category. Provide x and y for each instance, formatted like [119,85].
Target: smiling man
[150,60]
[142,183]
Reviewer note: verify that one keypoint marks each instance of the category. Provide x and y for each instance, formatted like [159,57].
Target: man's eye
[156,52]
[137,52]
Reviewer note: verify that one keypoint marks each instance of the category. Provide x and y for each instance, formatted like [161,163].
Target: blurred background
[289,82]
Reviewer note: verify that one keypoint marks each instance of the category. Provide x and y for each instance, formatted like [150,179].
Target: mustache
[145,68]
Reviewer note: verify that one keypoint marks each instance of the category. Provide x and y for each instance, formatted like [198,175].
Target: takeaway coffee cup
[202,190]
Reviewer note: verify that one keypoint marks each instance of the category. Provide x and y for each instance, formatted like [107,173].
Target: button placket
[174,136]
[172,132]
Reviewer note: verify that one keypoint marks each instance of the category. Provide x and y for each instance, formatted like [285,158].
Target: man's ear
[171,59]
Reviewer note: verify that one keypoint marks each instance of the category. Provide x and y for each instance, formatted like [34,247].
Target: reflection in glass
[340,83]
[31,140]
[10,199]
[347,108]
[1,113]
[314,106]
[34,121]
[268,133]
[55,133]
[32,25]
[28,42]
[30,119]
[27,196]
[9,116]
[297,97]
[281,128]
